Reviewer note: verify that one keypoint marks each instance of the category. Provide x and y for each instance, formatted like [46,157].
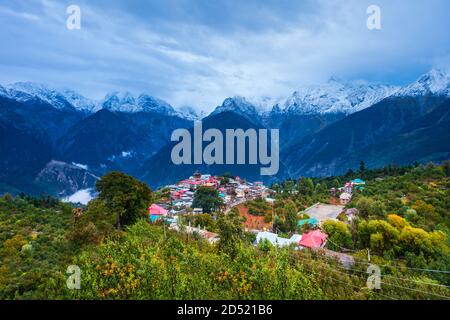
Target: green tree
[208,199]
[92,225]
[362,167]
[338,234]
[230,232]
[305,186]
[378,235]
[125,197]
[369,207]
[291,216]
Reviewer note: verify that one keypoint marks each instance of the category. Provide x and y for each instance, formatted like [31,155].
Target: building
[313,239]
[275,240]
[156,212]
[313,222]
[345,198]
[358,182]
[348,187]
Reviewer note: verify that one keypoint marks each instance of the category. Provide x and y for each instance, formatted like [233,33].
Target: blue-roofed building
[311,221]
[358,181]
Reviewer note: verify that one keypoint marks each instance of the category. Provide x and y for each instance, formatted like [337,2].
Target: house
[171,220]
[358,182]
[345,198]
[275,240]
[156,212]
[313,239]
[211,237]
[311,221]
[348,187]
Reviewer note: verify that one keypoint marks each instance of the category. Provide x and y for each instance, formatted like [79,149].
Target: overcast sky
[198,52]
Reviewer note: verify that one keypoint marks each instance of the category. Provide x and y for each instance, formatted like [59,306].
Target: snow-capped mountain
[117,101]
[435,82]
[128,103]
[265,104]
[81,102]
[336,96]
[238,105]
[3,92]
[124,102]
[25,91]
[151,104]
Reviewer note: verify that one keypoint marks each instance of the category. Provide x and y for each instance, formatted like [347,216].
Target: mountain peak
[238,105]
[126,102]
[120,101]
[435,82]
[25,91]
[151,104]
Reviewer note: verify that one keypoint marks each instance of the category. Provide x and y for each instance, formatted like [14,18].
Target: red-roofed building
[313,239]
[156,212]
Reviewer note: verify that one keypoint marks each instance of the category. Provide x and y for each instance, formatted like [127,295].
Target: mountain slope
[116,140]
[426,139]
[63,179]
[337,148]
[94,140]
[159,169]
[22,154]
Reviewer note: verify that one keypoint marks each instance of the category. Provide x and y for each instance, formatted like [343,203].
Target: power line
[363,261]
[407,288]
[416,290]
[390,276]
[348,283]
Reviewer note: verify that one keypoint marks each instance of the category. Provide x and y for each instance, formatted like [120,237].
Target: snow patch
[126,154]
[82,166]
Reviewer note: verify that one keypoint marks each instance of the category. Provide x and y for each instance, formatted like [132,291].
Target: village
[235,192]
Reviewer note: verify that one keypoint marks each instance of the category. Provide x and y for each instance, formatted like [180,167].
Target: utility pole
[368,254]
[164,226]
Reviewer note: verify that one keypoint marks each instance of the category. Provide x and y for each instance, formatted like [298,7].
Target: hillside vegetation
[403,219]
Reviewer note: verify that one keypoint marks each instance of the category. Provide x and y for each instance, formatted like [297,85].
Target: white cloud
[81,196]
[197,54]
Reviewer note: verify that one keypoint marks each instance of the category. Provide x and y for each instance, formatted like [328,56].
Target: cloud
[197,53]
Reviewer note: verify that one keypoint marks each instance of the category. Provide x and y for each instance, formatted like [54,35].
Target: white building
[275,240]
[345,198]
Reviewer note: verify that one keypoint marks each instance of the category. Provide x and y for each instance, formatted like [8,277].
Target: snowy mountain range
[323,129]
[435,82]
[334,97]
[115,101]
